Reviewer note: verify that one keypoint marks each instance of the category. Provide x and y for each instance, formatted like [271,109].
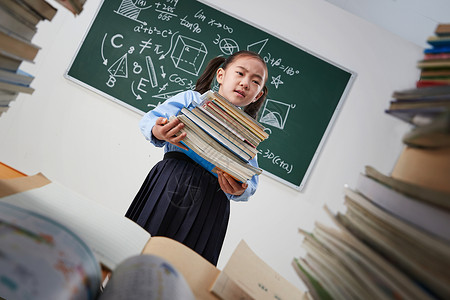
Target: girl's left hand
[229,185]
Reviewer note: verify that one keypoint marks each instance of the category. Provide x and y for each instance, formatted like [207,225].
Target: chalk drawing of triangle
[257,46]
[120,67]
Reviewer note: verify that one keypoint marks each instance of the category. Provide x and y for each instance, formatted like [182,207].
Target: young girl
[180,199]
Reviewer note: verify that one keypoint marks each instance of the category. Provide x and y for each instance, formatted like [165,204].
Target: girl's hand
[229,185]
[165,131]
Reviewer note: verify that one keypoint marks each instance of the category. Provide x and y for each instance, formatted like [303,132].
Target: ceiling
[413,20]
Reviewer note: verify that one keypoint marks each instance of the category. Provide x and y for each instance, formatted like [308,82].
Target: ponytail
[253,108]
[204,82]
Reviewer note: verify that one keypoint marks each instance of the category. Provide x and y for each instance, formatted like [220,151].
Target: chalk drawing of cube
[188,55]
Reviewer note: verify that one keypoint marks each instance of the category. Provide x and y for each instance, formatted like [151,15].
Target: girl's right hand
[165,131]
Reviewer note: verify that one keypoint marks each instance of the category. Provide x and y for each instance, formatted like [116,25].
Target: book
[55,263]
[424,167]
[420,256]
[427,217]
[435,73]
[18,77]
[442,30]
[211,155]
[436,56]
[216,146]
[147,277]
[231,133]
[434,50]
[10,23]
[21,12]
[9,62]
[220,135]
[366,270]
[12,87]
[42,7]
[434,134]
[75,6]
[434,63]
[419,103]
[3,109]
[236,113]
[115,237]
[233,125]
[418,116]
[246,276]
[422,93]
[18,47]
[431,83]
[114,240]
[421,193]
[6,97]
[438,41]
[310,278]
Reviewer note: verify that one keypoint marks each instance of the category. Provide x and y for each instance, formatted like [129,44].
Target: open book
[50,230]
[54,244]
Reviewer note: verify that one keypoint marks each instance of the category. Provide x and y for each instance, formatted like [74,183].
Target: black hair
[205,80]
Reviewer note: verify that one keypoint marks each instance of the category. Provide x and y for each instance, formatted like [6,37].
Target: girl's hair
[206,79]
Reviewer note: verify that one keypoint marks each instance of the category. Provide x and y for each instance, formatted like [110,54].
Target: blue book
[445,49]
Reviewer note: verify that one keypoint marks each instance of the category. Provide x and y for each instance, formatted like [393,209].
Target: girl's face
[242,81]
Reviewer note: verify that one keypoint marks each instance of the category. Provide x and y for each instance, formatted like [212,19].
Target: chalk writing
[277,160]
[194,27]
[143,52]
[277,62]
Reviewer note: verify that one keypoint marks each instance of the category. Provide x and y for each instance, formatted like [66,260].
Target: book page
[146,277]
[245,271]
[111,236]
[41,259]
[199,273]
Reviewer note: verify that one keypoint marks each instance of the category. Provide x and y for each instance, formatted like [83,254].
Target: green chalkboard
[140,53]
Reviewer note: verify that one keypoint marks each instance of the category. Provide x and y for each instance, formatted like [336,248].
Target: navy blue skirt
[179,199]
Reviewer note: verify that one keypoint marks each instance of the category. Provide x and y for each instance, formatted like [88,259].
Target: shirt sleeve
[251,188]
[169,108]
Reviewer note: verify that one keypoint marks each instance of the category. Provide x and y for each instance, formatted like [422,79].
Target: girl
[180,199]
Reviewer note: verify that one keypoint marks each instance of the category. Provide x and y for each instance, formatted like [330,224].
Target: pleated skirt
[179,199]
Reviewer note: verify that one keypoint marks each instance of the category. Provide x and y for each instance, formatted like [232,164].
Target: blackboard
[140,53]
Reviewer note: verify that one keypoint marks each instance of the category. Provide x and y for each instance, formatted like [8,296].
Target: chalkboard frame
[331,121]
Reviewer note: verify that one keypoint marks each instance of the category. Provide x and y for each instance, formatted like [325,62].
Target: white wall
[93,145]
[414,21]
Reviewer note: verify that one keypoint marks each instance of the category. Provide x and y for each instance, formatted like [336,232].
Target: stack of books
[426,106]
[75,6]
[221,136]
[18,25]
[392,241]
[435,66]
[392,238]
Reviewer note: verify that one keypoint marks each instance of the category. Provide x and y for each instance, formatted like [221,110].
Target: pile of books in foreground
[392,239]
[392,242]
[222,136]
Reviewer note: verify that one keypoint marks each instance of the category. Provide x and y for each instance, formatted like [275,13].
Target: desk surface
[8,172]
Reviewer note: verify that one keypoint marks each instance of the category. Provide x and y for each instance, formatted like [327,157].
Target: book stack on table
[221,136]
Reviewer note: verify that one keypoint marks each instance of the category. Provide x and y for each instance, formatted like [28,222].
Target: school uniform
[179,199]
